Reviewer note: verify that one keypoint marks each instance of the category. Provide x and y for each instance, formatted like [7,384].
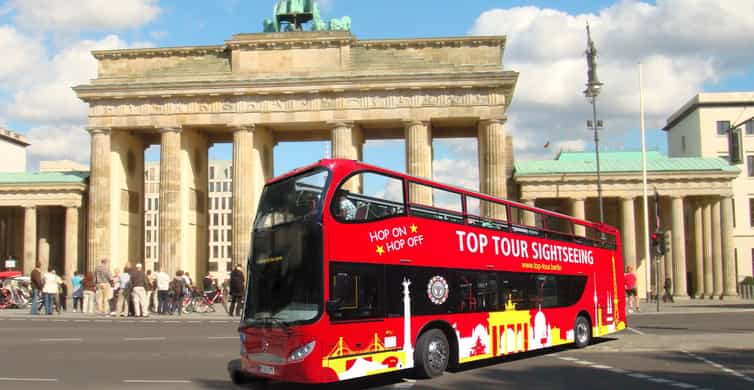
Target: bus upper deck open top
[356,270]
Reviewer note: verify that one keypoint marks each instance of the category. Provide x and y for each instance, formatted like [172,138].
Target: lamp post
[593,87]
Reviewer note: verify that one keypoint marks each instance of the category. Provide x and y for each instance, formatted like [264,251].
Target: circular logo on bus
[437,290]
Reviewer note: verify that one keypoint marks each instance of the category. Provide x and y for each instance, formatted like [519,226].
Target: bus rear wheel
[432,354]
[582,332]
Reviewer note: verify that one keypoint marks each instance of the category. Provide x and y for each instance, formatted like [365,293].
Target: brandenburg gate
[256,90]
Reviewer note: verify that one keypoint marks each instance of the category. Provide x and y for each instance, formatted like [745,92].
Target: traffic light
[658,242]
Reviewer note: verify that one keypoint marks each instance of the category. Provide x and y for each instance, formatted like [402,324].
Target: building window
[722,127]
[211,172]
[683,143]
[749,128]
[750,165]
[751,212]
[733,210]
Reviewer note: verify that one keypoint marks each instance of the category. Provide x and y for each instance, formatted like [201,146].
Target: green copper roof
[619,162]
[43,177]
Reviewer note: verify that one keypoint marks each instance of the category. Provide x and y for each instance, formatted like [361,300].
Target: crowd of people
[128,291]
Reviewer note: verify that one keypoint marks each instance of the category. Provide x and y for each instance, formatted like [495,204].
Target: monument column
[30,239]
[71,241]
[679,250]
[717,251]
[578,211]
[170,202]
[628,231]
[698,290]
[728,247]
[707,233]
[347,142]
[99,198]
[528,217]
[492,167]
[419,158]
[43,237]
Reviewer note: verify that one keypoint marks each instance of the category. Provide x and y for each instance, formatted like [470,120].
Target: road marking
[637,331]
[222,337]
[631,374]
[170,322]
[72,339]
[570,359]
[17,319]
[80,320]
[719,366]
[143,338]
[194,322]
[59,320]
[28,380]
[156,381]
[103,320]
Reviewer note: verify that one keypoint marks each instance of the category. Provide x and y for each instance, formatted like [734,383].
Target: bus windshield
[286,260]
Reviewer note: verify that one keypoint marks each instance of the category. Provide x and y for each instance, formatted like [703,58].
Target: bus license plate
[267,370]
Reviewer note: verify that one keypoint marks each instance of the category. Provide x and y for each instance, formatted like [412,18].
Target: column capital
[528,200]
[576,198]
[415,122]
[675,196]
[174,129]
[494,121]
[99,130]
[243,127]
[340,124]
[628,198]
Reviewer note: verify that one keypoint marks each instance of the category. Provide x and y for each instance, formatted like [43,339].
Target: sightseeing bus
[356,270]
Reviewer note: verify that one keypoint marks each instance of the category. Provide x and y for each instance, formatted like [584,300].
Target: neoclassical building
[256,90]
[695,211]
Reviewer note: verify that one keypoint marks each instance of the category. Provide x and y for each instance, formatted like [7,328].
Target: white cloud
[50,97]
[57,143]
[681,51]
[76,15]
[26,53]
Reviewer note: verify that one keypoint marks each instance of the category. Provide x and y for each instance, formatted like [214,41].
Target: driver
[346,208]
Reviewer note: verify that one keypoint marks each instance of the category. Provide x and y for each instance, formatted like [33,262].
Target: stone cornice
[431,42]
[159,52]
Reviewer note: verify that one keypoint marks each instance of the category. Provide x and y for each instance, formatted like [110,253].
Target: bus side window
[356,291]
[368,196]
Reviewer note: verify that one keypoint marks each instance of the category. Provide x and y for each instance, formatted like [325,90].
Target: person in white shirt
[163,284]
[50,281]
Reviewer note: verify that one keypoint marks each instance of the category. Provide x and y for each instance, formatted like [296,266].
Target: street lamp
[593,87]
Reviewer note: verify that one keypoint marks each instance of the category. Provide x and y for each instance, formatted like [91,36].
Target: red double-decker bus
[356,270]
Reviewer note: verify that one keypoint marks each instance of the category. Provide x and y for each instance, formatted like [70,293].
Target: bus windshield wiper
[275,321]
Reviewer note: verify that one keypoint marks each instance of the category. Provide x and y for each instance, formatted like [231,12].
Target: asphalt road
[670,350]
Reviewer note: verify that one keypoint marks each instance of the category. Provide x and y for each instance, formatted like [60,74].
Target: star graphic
[414,228]
[380,250]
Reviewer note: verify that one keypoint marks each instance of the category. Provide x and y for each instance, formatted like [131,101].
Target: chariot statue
[293,15]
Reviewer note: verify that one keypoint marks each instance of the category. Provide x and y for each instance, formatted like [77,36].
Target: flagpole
[647,257]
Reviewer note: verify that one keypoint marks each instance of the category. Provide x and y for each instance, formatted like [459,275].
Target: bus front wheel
[432,354]
[582,332]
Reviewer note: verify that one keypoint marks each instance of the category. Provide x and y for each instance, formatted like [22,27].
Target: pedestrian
[668,296]
[163,284]
[121,308]
[78,291]
[152,292]
[50,289]
[62,295]
[89,289]
[139,291]
[177,289]
[236,291]
[188,284]
[629,283]
[115,292]
[104,290]
[36,288]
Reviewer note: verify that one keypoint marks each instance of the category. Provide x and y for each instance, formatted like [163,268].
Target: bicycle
[206,302]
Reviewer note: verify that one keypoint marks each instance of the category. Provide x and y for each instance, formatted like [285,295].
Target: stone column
[528,216]
[679,250]
[170,202]
[43,237]
[99,198]
[698,290]
[419,159]
[71,241]
[492,164]
[717,251]
[30,239]
[728,247]
[578,210]
[628,231]
[707,233]
[347,142]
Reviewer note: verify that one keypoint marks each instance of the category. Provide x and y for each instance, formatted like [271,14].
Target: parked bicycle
[206,302]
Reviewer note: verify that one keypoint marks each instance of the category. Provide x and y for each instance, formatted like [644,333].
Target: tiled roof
[619,162]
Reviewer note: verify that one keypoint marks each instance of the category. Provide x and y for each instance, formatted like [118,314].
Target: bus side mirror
[332,306]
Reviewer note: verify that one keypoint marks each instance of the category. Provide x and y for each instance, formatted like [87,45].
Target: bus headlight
[302,352]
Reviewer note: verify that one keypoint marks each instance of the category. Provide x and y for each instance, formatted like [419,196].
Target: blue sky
[46,44]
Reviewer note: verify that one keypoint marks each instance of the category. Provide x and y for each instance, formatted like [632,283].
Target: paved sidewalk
[218,316]
[696,306]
